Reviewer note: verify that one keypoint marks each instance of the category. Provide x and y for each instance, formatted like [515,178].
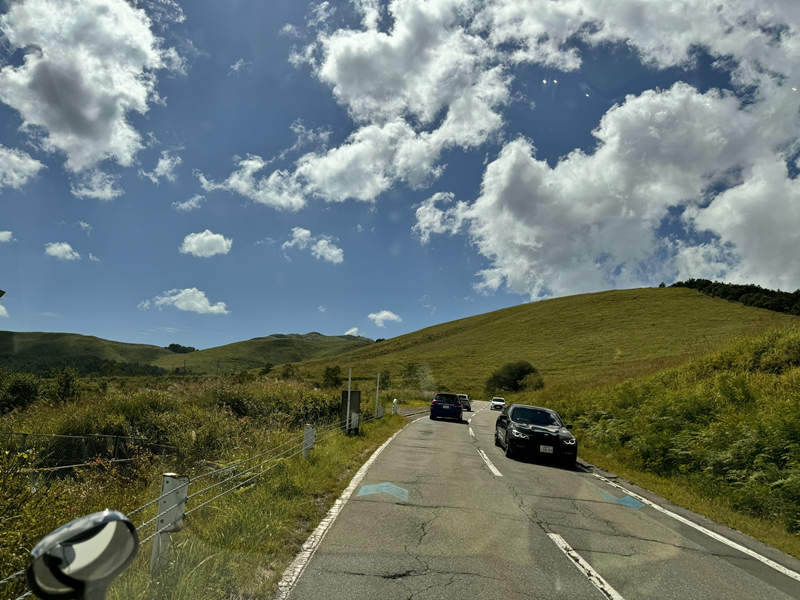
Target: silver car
[466,403]
[497,403]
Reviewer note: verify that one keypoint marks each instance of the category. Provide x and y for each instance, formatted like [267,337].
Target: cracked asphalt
[466,533]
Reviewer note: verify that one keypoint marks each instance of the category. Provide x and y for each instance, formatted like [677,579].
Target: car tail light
[458,404]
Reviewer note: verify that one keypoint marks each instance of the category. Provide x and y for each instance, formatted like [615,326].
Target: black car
[535,431]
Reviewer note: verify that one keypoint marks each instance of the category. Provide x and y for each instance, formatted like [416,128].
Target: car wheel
[433,418]
[496,438]
[509,451]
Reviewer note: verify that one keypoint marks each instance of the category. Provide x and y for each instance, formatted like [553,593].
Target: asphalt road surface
[434,518]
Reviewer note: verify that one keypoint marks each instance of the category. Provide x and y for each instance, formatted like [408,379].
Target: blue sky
[206,172]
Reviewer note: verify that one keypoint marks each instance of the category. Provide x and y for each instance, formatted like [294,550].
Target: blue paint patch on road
[626,501]
[384,488]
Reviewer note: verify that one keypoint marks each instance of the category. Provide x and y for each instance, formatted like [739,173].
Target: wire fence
[199,491]
[48,452]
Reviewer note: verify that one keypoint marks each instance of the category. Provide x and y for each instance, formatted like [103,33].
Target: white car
[497,403]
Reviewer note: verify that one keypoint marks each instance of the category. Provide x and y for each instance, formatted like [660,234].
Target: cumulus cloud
[352,331]
[323,247]
[430,219]
[206,244]
[190,204]
[88,64]
[6,236]
[3,311]
[16,167]
[190,299]
[98,185]
[380,318]
[92,257]
[327,250]
[164,168]
[61,251]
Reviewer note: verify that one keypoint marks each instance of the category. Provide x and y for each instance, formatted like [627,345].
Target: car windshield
[534,416]
[446,398]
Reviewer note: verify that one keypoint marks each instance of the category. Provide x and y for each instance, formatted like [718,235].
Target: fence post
[377,392]
[380,412]
[394,407]
[174,489]
[309,437]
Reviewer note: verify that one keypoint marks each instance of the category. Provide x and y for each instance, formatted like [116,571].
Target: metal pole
[377,392]
[347,416]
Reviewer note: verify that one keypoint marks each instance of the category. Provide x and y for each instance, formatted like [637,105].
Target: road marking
[469,420]
[626,501]
[771,563]
[585,568]
[300,562]
[489,464]
[385,488]
[471,433]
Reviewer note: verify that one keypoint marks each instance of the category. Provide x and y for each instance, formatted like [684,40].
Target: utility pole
[377,393]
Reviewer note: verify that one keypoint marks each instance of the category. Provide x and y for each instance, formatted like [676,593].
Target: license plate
[546,449]
[445,406]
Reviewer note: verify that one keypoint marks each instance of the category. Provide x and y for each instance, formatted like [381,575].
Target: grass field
[42,346]
[581,340]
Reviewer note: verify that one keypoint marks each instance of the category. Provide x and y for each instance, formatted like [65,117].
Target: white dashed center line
[471,432]
[489,464]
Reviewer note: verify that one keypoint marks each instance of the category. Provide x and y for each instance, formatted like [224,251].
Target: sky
[206,172]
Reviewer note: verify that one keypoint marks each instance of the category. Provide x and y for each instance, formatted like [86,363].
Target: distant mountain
[39,352]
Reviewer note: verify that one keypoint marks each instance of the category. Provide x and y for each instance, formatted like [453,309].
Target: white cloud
[6,236]
[301,238]
[381,317]
[190,204]
[144,305]
[3,311]
[352,331]
[85,227]
[190,299]
[326,250]
[164,168]
[267,240]
[240,66]
[431,219]
[205,244]
[323,247]
[321,309]
[16,167]
[97,184]
[279,190]
[290,30]
[61,251]
[92,257]
[88,64]
[320,13]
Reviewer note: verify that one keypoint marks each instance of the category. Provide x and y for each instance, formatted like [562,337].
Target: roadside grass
[240,546]
[583,340]
[719,434]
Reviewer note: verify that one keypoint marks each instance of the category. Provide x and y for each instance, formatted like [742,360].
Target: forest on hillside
[748,294]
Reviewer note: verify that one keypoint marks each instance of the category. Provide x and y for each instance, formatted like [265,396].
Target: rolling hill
[39,352]
[576,340]
[254,354]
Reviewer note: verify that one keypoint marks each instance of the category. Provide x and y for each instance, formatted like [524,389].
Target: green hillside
[579,340]
[38,352]
[253,354]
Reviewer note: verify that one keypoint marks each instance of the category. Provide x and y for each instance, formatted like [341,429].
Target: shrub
[289,371]
[510,377]
[332,378]
[66,383]
[532,381]
[18,390]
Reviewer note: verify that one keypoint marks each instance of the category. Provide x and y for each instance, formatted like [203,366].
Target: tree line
[748,294]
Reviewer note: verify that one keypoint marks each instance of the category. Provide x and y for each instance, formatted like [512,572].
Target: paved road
[471,530]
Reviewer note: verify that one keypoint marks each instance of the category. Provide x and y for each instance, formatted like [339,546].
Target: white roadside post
[309,437]
[377,393]
[347,416]
[171,507]
[394,407]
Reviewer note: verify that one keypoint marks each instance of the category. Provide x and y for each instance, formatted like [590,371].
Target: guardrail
[177,492]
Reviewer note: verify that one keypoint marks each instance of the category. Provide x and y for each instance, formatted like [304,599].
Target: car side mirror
[80,559]
[568,426]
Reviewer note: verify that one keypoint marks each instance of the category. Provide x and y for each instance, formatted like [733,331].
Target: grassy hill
[578,340]
[253,354]
[38,352]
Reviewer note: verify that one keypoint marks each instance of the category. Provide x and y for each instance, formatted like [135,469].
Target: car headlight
[569,442]
[516,433]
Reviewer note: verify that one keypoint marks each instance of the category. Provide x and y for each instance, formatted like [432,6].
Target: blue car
[447,406]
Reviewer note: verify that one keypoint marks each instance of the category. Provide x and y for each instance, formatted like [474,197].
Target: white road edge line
[585,568]
[489,464]
[771,563]
[471,433]
[298,565]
